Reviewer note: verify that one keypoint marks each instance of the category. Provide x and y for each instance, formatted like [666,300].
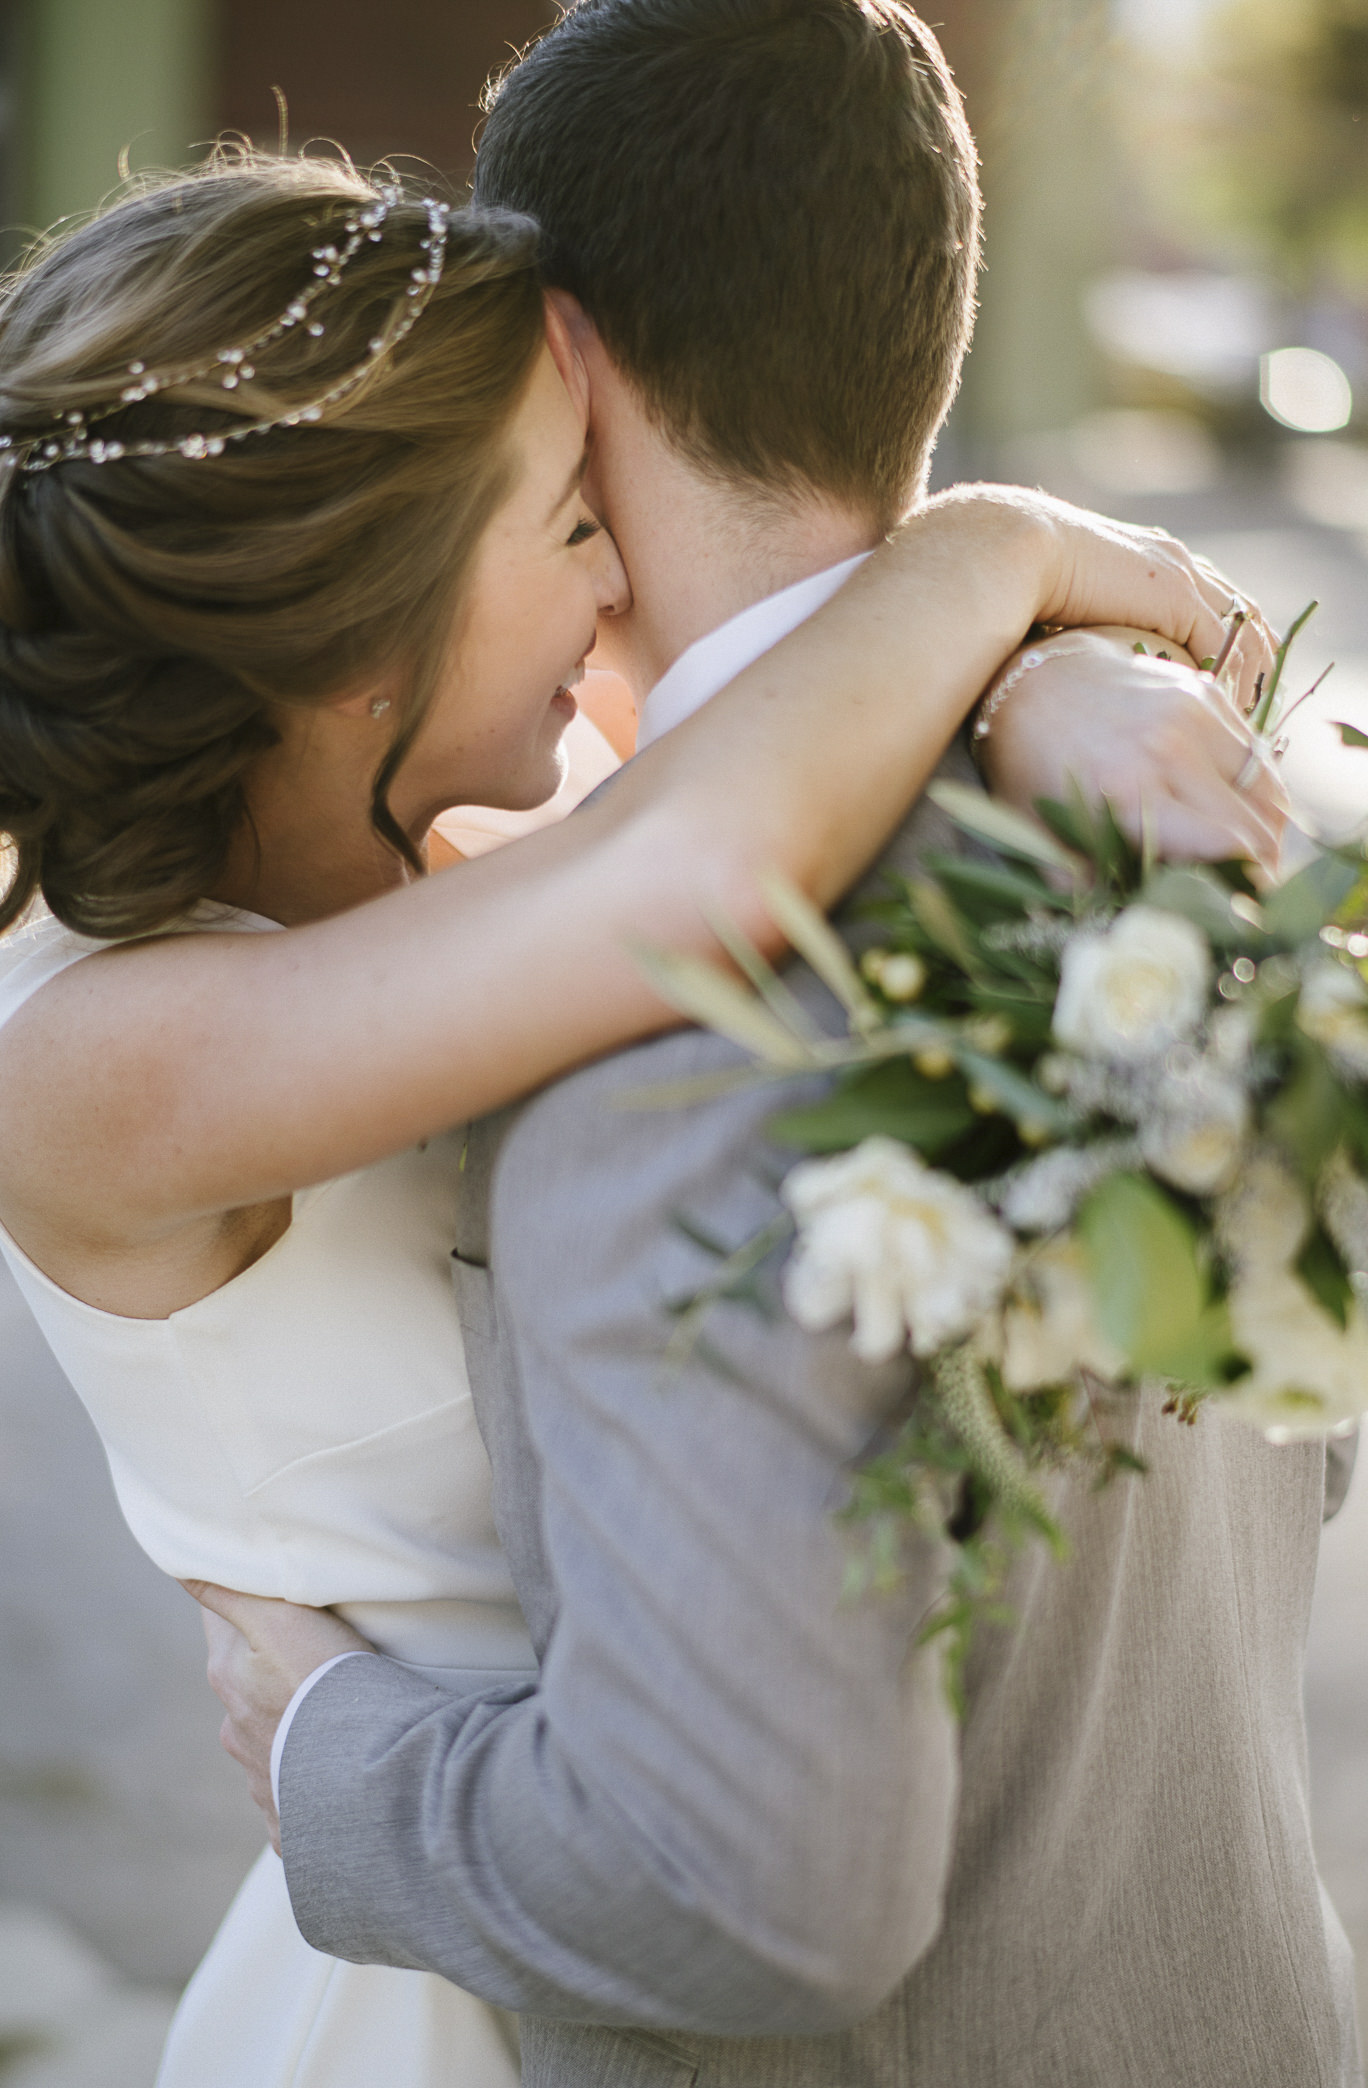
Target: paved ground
[119,1815]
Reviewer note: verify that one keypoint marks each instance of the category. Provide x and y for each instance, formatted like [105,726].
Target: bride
[294,559]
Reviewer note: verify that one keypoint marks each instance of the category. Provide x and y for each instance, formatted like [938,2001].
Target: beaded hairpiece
[69,437]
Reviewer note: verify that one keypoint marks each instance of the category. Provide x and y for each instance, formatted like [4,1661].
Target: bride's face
[544,574]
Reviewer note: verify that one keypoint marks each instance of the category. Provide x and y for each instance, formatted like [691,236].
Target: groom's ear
[569,330]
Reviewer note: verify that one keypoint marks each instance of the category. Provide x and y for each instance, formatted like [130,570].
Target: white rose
[1263,1218]
[1049,1329]
[1196,1136]
[1309,1376]
[1333,1011]
[912,1254]
[1129,991]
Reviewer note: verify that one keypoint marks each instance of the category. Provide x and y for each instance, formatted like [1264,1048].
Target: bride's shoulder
[34,951]
[39,945]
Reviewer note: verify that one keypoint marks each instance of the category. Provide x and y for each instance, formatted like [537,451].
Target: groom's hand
[259,1653]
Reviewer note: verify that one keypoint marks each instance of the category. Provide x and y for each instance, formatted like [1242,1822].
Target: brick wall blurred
[404,78]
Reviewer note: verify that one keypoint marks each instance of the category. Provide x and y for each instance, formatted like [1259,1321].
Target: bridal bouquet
[1097,1124]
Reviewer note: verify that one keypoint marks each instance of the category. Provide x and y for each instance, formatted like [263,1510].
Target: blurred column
[101,78]
[1036,76]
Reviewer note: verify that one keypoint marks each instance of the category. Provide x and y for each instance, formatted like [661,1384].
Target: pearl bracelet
[1029,661]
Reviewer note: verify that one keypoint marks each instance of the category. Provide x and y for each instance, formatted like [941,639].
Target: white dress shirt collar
[711,662]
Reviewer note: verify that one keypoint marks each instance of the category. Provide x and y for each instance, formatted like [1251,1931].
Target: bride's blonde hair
[153,609]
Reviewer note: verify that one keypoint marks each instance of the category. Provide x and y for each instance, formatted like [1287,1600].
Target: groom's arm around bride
[729,1806]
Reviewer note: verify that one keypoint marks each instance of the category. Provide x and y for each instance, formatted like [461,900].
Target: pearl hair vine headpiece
[70,438]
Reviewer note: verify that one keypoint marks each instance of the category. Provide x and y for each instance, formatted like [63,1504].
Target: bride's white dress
[307,1432]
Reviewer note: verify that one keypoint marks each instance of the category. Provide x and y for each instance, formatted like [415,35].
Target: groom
[732,1835]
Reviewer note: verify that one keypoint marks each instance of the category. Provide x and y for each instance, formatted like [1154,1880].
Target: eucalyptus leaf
[1008,890]
[1200,897]
[891,1101]
[1308,1116]
[779,998]
[1321,1270]
[1014,1091]
[943,925]
[1350,734]
[1001,826]
[1069,823]
[1150,1292]
[709,997]
[818,944]
[1300,908]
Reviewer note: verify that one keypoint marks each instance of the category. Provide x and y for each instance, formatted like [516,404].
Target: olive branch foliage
[957,1077]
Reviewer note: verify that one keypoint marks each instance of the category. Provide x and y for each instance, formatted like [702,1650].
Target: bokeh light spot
[1305,390]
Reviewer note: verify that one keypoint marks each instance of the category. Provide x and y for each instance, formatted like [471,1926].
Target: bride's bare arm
[149,1089]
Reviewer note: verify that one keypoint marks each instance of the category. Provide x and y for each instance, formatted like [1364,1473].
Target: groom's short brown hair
[769,209]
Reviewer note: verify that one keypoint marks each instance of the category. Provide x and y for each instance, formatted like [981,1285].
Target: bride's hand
[1162,743]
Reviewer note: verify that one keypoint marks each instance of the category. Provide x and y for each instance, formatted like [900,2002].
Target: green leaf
[1200,897]
[1031,1014]
[779,998]
[1092,829]
[1069,823]
[1007,890]
[944,926]
[1323,1273]
[1264,714]
[1300,908]
[1308,1115]
[1350,734]
[817,942]
[1014,1091]
[708,996]
[1150,1292]
[1001,826]
[893,1101]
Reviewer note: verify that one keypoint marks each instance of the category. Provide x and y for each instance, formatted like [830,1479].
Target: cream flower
[912,1254]
[1333,1011]
[1129,991]
[1309,1376]
[1262,1219]
[1195,1137]
[1049,1329]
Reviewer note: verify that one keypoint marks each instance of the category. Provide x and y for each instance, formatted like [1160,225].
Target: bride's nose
[612,588]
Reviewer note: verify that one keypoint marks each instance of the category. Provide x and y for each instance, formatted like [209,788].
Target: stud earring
[379,705]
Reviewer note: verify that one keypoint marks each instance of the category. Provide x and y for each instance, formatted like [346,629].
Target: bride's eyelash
[582,532]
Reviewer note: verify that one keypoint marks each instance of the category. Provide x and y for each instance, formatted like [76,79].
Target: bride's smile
[545,573]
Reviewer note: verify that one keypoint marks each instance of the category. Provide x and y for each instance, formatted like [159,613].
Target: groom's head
[768,209]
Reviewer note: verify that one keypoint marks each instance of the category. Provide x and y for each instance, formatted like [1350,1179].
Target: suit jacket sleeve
[728,1804]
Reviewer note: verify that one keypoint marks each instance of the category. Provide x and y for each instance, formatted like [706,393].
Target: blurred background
[1174,327]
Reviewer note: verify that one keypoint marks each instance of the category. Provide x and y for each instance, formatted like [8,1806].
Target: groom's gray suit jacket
[732,1835]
